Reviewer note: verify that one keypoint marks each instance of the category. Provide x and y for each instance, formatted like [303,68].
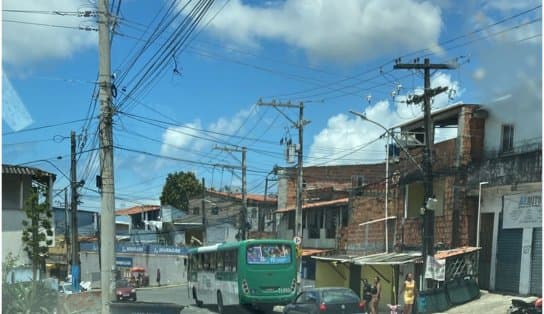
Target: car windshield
[122,284]
[268,254]
[340,296]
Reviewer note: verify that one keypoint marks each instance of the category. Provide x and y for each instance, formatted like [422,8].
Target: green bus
[259,273]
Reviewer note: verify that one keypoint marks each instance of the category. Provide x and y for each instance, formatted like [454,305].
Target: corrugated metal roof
[250,197]
[375,259]
[341,201]
[389,259]
[29,171]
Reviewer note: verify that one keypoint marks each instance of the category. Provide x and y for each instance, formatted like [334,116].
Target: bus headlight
[293,284]
[245,287]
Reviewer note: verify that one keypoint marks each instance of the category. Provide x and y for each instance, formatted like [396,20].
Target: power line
[81,28]
[44,127]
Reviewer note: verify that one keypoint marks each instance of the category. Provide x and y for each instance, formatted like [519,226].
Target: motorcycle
[523,307]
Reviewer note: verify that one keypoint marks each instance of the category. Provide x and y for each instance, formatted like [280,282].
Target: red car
[124,291]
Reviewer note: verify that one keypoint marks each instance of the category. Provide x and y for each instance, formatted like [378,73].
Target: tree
[37,228]
[179,188]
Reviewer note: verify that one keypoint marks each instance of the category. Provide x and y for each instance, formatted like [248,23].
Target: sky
[184,91]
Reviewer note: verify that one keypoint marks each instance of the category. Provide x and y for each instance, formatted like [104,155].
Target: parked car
[124,291]
[326,300]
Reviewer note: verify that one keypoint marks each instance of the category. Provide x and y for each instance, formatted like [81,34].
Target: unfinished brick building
[455,214]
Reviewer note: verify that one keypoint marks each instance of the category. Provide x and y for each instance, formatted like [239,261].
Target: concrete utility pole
[107,221]
[297,232]
[243,211]
[428,93]
[74,232]
[204,220]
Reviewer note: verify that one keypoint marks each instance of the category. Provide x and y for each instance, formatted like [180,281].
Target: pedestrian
[367,294]
[410,293]
[376,293]
[159,277]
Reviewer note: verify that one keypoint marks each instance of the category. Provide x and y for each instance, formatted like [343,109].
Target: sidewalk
[487,303]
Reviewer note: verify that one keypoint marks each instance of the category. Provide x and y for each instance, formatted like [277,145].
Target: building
[509,178]
[17,185]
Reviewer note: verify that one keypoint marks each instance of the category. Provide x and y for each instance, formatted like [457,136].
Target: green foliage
[179,188]
[25,297]
[37,227]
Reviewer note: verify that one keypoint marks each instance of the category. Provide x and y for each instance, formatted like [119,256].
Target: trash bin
[421,304]
[145,307]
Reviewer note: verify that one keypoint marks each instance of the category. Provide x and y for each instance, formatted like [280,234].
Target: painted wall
[526,118]
[331,274]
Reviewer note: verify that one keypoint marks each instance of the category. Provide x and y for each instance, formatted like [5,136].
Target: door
[508,259]
[486,242]
[536,263]
[355,278]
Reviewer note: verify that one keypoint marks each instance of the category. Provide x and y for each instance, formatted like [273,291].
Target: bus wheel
[220,308]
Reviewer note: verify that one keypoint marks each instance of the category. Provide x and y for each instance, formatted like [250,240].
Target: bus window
[220,261]
[268,254]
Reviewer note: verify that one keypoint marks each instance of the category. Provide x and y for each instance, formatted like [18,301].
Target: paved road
[178,295]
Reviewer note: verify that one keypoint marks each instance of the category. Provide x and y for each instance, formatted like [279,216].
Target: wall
[173,267]
[331,274]
[526,118]
[370,238]
[492,201]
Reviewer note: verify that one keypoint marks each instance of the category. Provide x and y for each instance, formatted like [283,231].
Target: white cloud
[178,137]
[26,44]
[348,139]
[343,31]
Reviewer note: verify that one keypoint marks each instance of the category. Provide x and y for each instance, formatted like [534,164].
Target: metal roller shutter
[508,259]
[536,263]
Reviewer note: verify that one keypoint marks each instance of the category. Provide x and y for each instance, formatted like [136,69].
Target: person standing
[367,294]
[410,293]
[376,293]
[159,277]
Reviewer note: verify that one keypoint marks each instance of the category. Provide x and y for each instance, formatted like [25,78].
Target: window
[307,297]
[268,254]
[291,222]
[507,137]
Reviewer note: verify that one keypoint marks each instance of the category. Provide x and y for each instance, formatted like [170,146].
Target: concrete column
[525,269]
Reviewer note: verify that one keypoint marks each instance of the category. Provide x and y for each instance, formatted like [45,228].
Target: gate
[508,259]
[536,263]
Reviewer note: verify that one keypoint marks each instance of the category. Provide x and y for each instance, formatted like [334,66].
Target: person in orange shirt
[410,293]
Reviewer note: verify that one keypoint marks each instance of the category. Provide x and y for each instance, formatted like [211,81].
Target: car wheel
[220,307]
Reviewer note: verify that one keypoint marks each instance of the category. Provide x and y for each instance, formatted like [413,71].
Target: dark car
[124,291]
[326,300]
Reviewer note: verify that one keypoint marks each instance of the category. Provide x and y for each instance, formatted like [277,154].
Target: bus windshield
[268,254]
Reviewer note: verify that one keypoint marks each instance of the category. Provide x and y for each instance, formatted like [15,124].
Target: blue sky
[332,55]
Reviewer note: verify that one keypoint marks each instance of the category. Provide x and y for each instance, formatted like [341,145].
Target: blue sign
[137,248]
[121,261]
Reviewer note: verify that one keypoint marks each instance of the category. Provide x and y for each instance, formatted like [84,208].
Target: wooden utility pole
[428,93]
[297,232]
[107,221]
[73,208]
[243,211]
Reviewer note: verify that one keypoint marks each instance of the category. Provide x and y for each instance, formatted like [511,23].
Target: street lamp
[49,162]
[479,209]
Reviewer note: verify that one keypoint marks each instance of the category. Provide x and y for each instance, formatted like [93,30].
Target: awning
[338,202]
[454,252]
[310,252]
[388,259]
[339,258]
[375,259]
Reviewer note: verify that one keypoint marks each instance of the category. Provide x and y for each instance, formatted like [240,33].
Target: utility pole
[297,232]
[204,220]
[243,211]
[67,234]
[107,220]
[428,93]
[74,232]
